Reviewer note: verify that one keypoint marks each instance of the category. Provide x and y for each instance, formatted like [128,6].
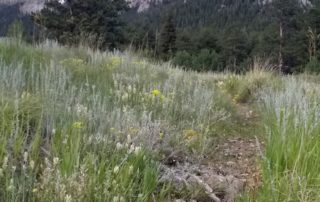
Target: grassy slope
[78,125]
[291,117]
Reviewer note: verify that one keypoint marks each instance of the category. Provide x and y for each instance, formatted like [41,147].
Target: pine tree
[95,22]
[168,38]
[16,31]
[287,16]
[313,19]
[236,48]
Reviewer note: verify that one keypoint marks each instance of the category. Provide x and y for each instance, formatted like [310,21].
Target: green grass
[291,160]
[79,125]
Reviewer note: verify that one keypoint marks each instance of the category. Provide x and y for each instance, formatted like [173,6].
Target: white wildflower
[46,161]
[220,83]
[129,88]
[5,163]
[11,186]
[116,169]
[129,139]
[119,146]
[118,199]
[131,149]
[137,150]
[25,156]
[125,109]
[67,198]
[81,109]
[125,96]
[131,170]
[32,164]
[55,161]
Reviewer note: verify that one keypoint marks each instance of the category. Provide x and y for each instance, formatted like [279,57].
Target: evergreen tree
[313,19]
[168,38]
[236,48]
[287,17]
[16,31]
[96,22]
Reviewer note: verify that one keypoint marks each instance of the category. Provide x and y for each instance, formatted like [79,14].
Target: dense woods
[201,35]
[216,36]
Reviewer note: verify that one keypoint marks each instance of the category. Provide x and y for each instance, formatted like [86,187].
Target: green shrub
[313,66]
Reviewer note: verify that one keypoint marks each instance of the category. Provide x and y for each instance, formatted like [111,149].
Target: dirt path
[232,168]
[239,156]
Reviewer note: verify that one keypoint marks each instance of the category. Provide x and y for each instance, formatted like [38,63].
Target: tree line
[214,36]
[203,35]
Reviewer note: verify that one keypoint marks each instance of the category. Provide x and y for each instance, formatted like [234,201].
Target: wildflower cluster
[78,125]
[114,62]
[73,62]
[139,63]
[157,94]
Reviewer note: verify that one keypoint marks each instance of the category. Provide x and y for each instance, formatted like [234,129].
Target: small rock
[230,163]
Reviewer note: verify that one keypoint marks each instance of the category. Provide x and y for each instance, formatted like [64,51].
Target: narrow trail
[238,156]
[232,168]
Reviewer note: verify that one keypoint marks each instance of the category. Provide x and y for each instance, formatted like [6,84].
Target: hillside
[162,101]
[81,125]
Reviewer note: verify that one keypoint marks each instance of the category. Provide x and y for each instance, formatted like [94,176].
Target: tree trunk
[280,47]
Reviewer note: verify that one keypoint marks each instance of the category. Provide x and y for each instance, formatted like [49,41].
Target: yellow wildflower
[73,62]
[236,98]
[77,125]
[156,92]
[161,135]
[190,134]
[115,61]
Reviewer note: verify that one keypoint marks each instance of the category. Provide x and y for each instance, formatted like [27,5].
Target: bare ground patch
[232,168]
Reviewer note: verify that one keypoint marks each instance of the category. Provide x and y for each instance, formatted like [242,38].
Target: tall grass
[292,163]
[79,125]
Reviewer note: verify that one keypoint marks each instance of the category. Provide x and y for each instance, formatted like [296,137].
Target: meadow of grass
[81,125]
[291,160]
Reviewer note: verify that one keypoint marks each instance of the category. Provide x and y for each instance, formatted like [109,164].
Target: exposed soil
[238,157]
[232,168]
